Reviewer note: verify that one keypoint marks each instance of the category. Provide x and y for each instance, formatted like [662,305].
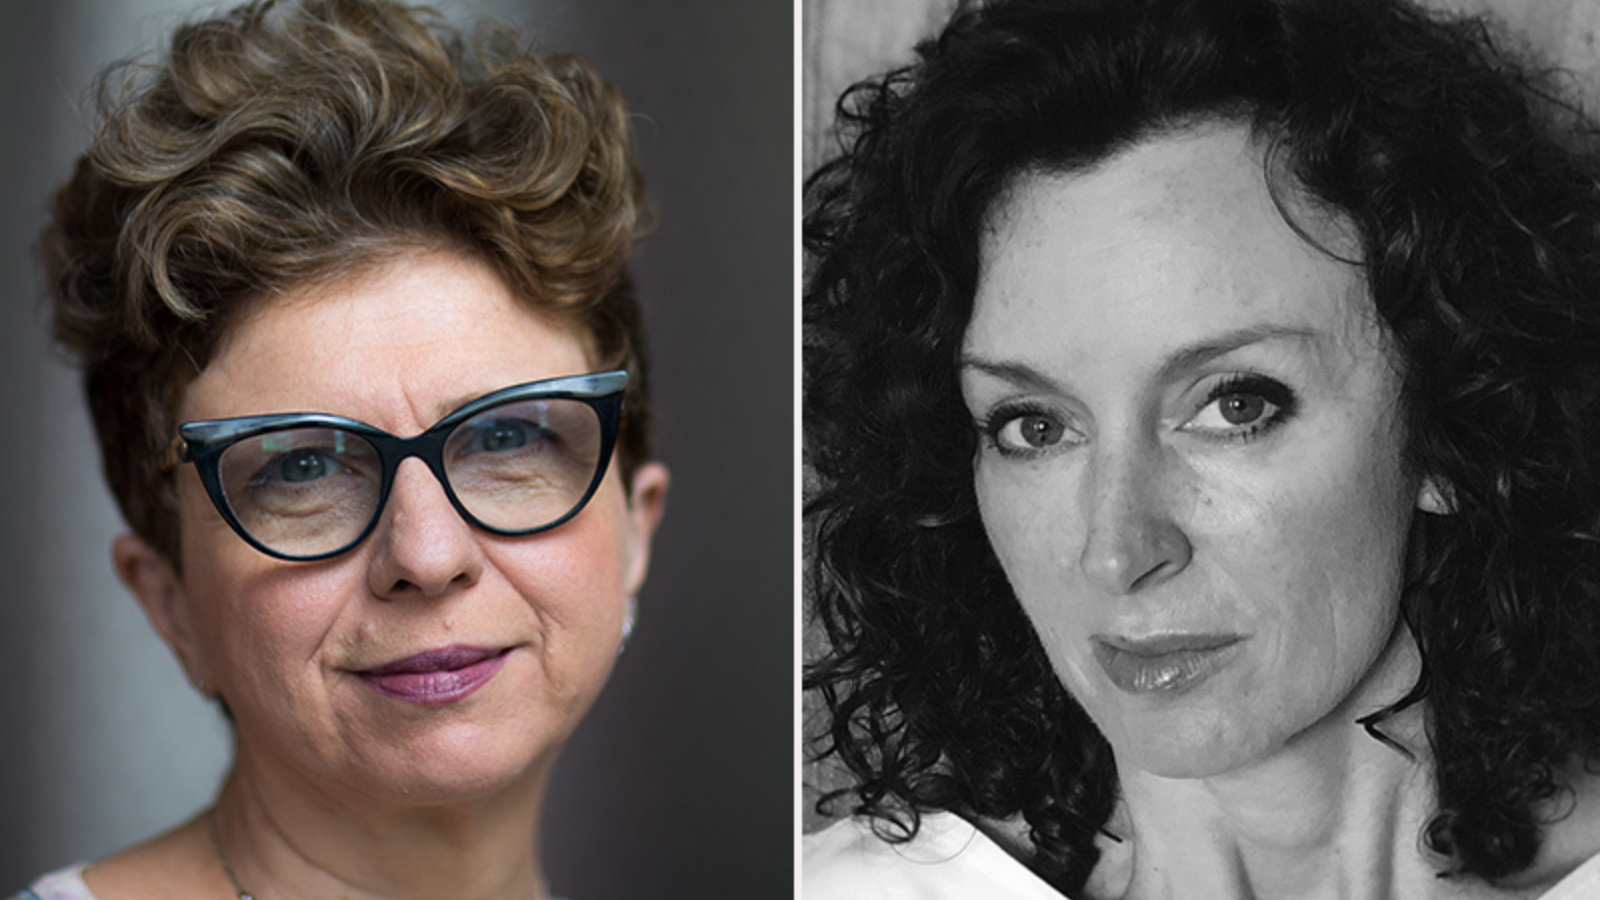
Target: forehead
[1174,238]
[397,345]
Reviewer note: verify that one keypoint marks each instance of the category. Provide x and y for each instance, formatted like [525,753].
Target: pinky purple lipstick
[437,676]
[1170,664]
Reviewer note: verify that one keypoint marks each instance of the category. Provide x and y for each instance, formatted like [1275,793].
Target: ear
[1435,496]
[158,587]
[647,500]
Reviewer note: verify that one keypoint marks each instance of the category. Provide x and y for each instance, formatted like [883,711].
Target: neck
[285,840]
[1333,813]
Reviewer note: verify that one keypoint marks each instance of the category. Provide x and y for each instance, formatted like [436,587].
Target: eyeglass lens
[513,467]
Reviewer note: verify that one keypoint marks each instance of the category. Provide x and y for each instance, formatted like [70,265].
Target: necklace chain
[222,857]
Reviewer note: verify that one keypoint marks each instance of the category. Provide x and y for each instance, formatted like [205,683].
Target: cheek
[267,623]
[1016,516]
[1313,560]
[1031,526]
[256,613]
[268,631]
[1350,582]
[572,578]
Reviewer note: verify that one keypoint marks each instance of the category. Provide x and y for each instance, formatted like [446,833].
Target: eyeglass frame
[203,443]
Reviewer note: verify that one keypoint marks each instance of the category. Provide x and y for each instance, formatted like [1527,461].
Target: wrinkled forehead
[434,330]
[1183,233]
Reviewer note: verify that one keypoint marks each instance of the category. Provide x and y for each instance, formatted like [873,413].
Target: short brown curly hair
[282,144]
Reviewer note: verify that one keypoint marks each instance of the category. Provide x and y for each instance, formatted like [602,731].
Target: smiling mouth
[1168,665]
[437,676]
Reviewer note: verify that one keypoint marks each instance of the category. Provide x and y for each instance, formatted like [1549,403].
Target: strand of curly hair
[1475,191]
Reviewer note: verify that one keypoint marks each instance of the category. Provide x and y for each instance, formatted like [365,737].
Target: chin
[462,763]
[502,738]
[458,759]
[1183,761]
[1189,743]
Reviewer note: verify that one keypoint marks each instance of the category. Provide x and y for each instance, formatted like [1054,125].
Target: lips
[1165,665]
[437,676]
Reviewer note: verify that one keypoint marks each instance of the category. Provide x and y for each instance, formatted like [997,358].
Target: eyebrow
[1200,353]
[450,406]
[1185,358]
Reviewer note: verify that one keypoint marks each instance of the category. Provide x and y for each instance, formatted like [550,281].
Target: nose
[1133,540]
[422,546]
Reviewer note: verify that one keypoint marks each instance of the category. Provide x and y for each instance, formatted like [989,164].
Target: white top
[949,859]
[64,884]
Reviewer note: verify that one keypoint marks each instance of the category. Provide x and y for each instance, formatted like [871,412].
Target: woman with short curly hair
[1203,397]
[350,292]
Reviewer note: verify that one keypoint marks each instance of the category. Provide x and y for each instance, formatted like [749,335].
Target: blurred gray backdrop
[679,782]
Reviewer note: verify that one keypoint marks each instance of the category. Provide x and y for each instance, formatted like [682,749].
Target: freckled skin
[1153,517]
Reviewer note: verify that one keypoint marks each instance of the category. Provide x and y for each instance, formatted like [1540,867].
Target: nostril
[1138,554]
[423,548]
[404,586]
[1161,572]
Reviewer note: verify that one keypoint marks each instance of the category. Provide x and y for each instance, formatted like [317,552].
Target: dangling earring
[1436,497]
[630,612]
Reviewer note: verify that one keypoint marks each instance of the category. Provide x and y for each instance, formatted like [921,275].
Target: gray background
[679,783]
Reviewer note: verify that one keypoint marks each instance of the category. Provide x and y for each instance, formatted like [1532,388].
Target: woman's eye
[1243,407]
[1026,432]
[302,466]
[503,435]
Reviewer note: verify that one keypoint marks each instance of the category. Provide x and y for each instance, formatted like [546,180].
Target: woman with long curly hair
[1203,398]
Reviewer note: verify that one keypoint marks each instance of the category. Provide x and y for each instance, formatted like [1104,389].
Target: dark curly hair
[1475,192]
[285,144]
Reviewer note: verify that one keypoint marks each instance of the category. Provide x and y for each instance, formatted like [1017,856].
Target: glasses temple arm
[176,454]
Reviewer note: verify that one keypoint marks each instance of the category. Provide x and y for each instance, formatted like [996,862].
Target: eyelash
[996,421]
[1274,392]
[1278,395]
